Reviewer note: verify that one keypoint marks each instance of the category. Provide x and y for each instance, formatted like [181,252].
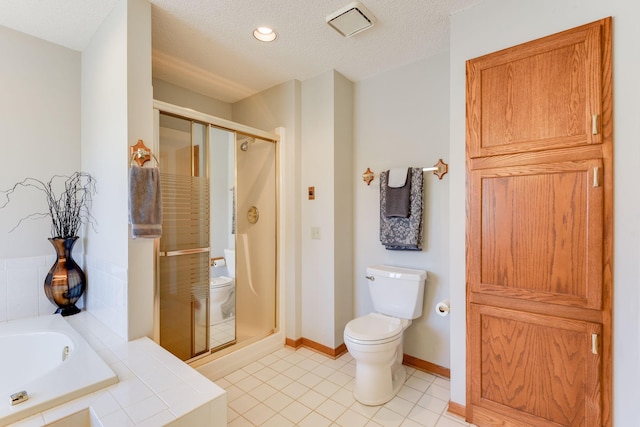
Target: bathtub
[48,359]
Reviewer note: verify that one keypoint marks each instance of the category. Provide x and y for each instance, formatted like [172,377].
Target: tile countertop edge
[154,388]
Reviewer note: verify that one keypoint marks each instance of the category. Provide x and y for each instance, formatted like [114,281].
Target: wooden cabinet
[537,96]
[539,232]
[536,368]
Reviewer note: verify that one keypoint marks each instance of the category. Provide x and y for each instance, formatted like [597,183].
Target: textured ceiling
[207,45]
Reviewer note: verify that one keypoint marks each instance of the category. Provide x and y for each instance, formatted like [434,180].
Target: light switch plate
[315,232]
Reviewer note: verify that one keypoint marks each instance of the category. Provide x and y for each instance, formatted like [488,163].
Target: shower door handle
[184,252]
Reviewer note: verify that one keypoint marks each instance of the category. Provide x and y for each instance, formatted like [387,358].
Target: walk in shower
[216,265]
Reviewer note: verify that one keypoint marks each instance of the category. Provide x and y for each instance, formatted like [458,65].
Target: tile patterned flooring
[304,388]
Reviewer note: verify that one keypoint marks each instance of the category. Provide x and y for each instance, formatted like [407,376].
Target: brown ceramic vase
[65,282]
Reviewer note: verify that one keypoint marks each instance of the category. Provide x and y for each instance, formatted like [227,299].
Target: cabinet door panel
[539,95]
[537,233]
[535,368]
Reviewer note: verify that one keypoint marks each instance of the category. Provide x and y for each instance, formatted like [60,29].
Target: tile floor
[305,388]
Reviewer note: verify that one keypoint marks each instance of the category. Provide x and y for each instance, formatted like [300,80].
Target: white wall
[116,112]
[317,170]
[39,133]
[104,134]
[496,24]
[40,137]
[401,119]
[326,164]
[343,219]
[139,105]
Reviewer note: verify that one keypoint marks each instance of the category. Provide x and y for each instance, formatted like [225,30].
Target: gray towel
[145,203]
[398,198]
[404,234]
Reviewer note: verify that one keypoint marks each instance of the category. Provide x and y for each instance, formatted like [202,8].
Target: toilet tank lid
[396,272]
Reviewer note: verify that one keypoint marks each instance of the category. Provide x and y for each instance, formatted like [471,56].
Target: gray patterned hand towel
[398,199]
[145,203]
[403,234]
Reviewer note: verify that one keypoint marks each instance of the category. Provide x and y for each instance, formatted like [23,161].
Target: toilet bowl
[375,340]
[221,299]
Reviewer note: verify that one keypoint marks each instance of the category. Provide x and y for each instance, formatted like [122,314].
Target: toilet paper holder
[442,308]
[218,262]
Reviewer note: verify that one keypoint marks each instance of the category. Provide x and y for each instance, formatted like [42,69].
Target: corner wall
[39,116]
[325,280]
[343,191]
[116,111]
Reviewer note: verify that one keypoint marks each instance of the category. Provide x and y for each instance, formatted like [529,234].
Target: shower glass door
[217,258]
[184,246]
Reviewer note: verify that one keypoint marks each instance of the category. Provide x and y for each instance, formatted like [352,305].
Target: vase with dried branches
[69,201]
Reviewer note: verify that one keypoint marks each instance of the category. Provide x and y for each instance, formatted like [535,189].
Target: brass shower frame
[236,128]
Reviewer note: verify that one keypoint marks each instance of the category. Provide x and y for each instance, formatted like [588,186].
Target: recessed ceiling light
[265,34]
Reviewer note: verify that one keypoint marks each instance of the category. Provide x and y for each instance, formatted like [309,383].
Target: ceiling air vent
[351,19]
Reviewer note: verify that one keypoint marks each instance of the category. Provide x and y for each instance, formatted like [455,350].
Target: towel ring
[141,154]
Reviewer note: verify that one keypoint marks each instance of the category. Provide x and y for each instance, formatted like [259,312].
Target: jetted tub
[48,359]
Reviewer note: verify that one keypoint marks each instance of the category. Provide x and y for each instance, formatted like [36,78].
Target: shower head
[245,145]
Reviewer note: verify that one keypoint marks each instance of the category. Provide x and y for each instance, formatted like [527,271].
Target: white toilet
[375,340]
[221,299]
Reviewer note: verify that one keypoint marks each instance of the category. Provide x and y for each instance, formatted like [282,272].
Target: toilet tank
[230,259]
[397,292]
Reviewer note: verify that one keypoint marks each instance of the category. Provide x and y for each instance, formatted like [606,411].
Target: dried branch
[68,210]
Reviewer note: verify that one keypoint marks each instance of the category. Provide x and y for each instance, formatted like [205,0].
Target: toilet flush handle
[370,278]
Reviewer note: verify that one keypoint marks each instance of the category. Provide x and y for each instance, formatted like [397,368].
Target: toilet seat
[220,282]
[374,328]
